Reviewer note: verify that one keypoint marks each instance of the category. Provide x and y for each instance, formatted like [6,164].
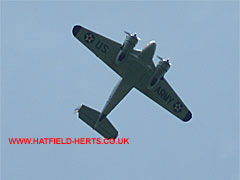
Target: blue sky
[46,73]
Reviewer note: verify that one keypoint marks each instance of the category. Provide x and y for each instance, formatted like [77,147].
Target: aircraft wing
[165,96]
[101,46]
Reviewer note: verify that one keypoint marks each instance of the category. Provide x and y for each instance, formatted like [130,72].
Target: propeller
[127,33]
[162,59]
[133,35]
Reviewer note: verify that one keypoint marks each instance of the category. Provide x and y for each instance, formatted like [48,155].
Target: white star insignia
[89,38]
[177,107]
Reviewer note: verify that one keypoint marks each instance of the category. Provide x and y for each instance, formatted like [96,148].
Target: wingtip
[115,137]
[76,29]
[188,117]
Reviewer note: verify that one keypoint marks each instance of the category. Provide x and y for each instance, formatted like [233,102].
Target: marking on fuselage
[102,47]
[164,95]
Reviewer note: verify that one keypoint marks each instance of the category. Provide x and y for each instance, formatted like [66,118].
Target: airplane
[137,70]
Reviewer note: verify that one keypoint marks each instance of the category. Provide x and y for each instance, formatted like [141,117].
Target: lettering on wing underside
[164,95]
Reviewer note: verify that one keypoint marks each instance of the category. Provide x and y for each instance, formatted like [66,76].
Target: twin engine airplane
[137,70]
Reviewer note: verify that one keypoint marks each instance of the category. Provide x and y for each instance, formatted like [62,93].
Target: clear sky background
[46,73]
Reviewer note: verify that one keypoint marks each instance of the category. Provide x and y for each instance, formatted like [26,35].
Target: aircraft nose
[153,45]
[149,50]
[76,29]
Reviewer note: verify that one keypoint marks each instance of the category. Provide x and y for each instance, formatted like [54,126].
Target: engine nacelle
[126,48]
[162,67]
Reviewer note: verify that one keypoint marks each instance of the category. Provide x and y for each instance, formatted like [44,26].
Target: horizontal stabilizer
[104,127]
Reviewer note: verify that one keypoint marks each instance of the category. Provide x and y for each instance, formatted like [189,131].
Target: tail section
[91,116]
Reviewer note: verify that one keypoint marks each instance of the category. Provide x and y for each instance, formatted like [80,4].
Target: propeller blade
[135,35]
[160,58]
[166,60]
[127,33]
[169,62]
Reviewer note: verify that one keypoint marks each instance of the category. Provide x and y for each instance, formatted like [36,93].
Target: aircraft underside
[137,70]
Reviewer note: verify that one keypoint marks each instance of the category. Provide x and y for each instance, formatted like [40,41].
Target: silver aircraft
[137,70]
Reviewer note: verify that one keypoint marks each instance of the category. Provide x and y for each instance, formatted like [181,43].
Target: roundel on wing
[89,37]
[177,107]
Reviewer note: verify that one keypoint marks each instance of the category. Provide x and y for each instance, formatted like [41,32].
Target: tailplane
[91,116]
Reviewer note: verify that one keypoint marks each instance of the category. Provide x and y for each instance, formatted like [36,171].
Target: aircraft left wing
[104,48]
[165,96]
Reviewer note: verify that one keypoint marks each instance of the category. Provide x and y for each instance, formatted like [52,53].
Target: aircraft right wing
[165,96]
